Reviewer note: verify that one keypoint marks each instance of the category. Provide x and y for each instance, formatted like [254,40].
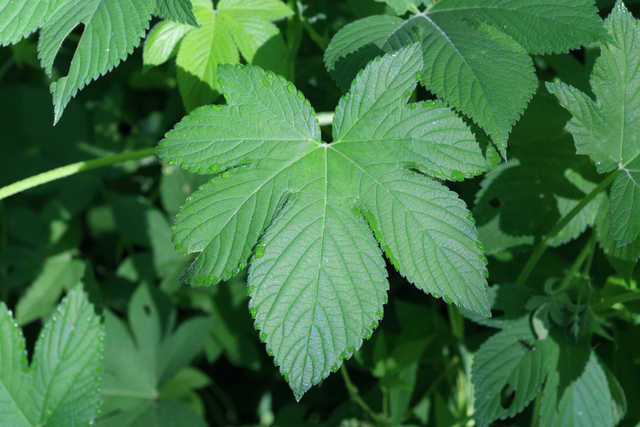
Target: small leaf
[107,39]
[61,387]
[179,11]
[607,130]
[317,216]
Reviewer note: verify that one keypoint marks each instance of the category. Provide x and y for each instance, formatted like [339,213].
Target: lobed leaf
[607,129]
[471,59]
[303,211]
[162,42]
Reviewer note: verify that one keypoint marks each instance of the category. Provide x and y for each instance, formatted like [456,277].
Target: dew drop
[253,311]
[335,367]
[483,258]
[379,313]
[343,356]
[447,299]
[239,66]
[286,376]
[457,176]
[361,72]
[281,78]
[250,290]
[290,87]
[242,265]
[221,83]
[300,95]
[367,336]
[263,337]
[351,350]
[306,102]
[256,326]
[418,75]
[260,250]
[485,273]
[408,94]
[479,245]
[270,75]
[270,352]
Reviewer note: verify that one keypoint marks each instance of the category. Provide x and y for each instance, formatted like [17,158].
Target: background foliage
[94,316]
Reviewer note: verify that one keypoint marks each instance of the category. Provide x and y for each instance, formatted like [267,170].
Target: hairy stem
[72,169]
[355,394]
[544,243]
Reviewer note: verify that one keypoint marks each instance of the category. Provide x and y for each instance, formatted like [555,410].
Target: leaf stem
[355,394]
[72,169]
[544,243]
[326,118]
[577,264]
[618,299]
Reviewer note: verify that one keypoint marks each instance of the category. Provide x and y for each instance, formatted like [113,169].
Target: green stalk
[618,299]
[325,119]
[355,395]
[72,169]
[544,243]
[577,264]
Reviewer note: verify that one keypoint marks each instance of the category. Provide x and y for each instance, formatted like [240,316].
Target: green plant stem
[72,169]
[618,299]
[441,376]
[577,264]
[355,394]
[544,243]
[325,119]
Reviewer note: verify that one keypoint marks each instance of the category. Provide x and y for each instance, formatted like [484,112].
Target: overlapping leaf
[309,210]
[111,30]
[608,129]
[234,25]
[521,200]
[61,385]
[475,51]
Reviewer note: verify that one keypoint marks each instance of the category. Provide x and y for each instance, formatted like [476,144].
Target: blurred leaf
[59,272]
[140,363]
[176,10]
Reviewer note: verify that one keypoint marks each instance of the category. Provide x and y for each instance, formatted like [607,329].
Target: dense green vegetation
[422,212]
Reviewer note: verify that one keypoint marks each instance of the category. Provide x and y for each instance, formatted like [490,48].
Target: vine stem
[72,169]
[618,299]
[544,243]
[355,394]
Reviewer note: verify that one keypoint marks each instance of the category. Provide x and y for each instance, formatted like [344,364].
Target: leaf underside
[475,51]
[315,218]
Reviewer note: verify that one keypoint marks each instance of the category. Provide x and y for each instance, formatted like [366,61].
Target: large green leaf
[607,129]
[60,388]
[112,28]
[139,362]
[233,25]
[471,58]
[309,210]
